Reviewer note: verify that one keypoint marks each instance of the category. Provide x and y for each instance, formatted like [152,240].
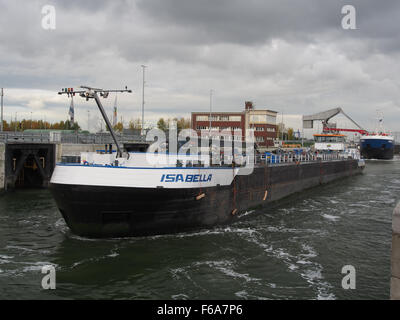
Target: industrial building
[262,121]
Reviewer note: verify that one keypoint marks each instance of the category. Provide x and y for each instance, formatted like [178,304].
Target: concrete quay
[395,260]
[31,164]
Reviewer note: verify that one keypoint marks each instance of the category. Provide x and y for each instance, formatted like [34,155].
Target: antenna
[379,125]
[93,93]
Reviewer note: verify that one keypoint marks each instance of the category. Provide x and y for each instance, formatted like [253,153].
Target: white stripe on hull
[200,177]
[377,137]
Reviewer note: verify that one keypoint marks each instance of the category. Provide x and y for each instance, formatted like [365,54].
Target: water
[295,250]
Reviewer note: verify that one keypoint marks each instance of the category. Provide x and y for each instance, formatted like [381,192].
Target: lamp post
[88,120]
[211,92]
[143,67]
[1,124]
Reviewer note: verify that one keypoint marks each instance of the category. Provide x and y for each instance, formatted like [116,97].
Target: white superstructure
[329,142]
[143,170]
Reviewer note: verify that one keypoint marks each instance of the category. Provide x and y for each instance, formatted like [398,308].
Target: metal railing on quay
[66,137]
[9,137]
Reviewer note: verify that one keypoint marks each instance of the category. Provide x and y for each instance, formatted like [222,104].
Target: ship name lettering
[186,178]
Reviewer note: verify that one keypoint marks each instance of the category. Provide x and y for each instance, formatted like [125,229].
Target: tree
[290,133]
[135,124]
[182,123]
[162,125]
[69,126]
[280,131]
[119,127]
[39,124]
[5,125]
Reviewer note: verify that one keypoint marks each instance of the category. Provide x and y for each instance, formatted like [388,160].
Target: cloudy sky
[290,56]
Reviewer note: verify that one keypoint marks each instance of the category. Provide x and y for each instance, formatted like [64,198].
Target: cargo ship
[377,146]
[100,199]
[121,194]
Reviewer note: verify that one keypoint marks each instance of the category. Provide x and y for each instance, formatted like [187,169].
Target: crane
[325,116]
[92,93]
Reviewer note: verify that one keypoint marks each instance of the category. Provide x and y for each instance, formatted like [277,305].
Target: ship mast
[115,116]
[379,126]
[92,93]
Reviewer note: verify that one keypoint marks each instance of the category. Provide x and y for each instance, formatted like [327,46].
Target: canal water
[295,250]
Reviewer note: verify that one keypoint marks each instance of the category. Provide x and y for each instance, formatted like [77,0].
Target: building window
[202,118]
[235,118]
[260,139]
[218,118]
[258,118]
[271,119]
[271,129]
[262,118]
[255,128]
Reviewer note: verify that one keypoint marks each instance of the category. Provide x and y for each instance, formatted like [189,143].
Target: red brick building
[262,121]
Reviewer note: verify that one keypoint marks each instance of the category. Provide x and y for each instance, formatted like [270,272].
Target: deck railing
[305,157]
[66,137]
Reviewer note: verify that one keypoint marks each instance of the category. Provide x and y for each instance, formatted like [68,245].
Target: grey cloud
[255,22]
[245,22]
[290,55]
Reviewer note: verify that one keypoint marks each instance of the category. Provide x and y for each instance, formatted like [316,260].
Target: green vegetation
[181,123]
[39,125]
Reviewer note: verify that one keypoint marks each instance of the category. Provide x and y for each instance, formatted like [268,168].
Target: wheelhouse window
[326,138]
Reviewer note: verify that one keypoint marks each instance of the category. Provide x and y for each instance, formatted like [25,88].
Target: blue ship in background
[377,146]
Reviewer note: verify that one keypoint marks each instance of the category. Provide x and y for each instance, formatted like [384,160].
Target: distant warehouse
[262,121]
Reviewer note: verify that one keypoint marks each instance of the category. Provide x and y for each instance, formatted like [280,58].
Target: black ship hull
[113,211]
[377,153]
[96,211]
